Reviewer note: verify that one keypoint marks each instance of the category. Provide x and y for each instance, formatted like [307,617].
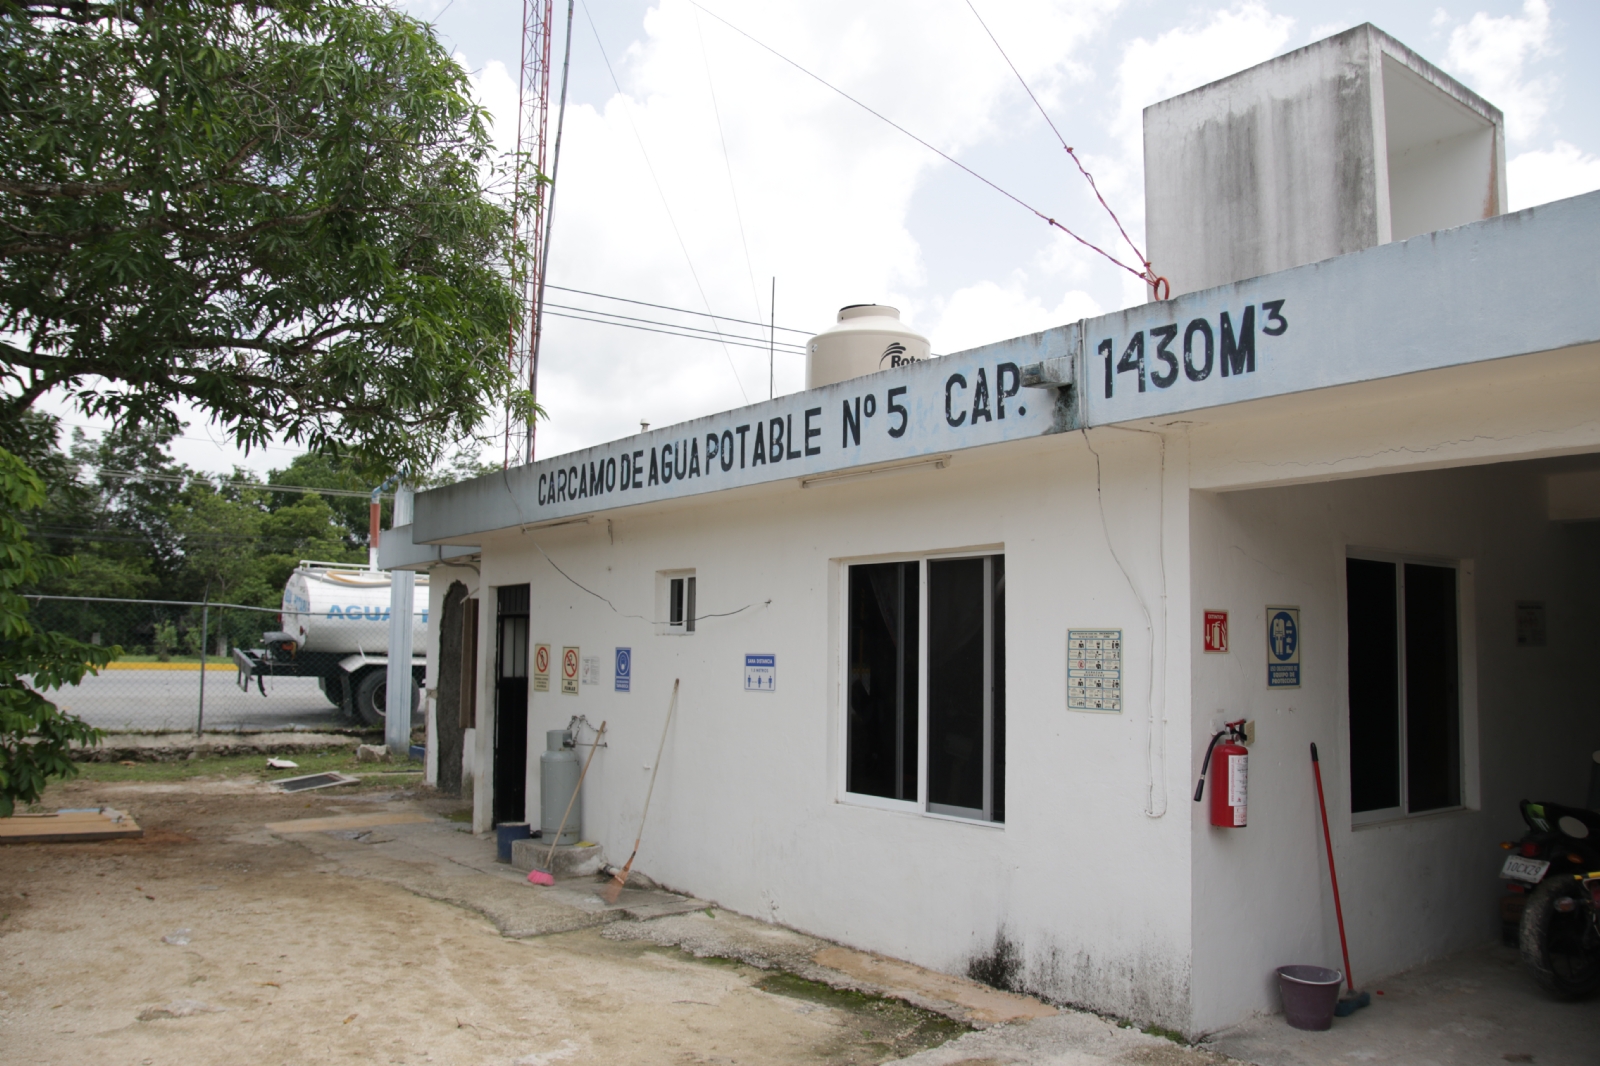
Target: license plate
[1529,870]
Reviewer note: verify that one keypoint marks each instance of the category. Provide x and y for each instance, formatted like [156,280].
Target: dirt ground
[210,941]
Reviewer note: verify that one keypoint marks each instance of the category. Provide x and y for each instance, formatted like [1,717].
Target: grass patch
[247,765]
[892,1027]
[1155,1030]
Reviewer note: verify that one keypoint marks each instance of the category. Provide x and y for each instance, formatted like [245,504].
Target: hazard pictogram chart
[1094,670]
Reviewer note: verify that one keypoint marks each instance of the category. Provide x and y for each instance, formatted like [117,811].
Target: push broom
[1352,1000]
[613,887]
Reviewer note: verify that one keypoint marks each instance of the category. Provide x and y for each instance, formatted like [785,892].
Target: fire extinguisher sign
[1283,647]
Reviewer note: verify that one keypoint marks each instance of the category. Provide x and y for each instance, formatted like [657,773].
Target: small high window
[926,658]
[677,589]
[1405,687]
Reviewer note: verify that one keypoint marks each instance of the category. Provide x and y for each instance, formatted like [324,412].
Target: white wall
[1414,889]
[1347,143]
[747,810]
[1446,160]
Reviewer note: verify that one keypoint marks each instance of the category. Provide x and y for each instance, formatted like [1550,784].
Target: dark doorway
[450,721]
[511,705]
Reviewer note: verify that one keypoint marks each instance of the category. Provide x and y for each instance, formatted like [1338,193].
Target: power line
[179,479]
[101,537]
[1149,272]
[685,311]
[727,164]
[1143,275]
[670,333]
[204,440]
[711,334]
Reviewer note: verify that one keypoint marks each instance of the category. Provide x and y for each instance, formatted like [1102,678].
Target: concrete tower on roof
[1347,143]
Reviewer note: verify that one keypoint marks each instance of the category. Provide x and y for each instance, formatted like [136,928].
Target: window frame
[685,626]
[1466,686]
[921,805]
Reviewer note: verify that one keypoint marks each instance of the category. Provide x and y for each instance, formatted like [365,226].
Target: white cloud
[1490,54]
[823,188]
[1551,174]
[494,88]
[1187,57]
[967,319]
[1327,29]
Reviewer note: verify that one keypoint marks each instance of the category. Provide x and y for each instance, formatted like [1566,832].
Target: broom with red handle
[1351,1000]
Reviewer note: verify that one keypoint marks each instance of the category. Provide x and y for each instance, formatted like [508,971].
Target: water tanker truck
[335,627]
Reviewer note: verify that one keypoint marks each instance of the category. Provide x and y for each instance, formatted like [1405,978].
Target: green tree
[342,473]
[275,210]
[35,737]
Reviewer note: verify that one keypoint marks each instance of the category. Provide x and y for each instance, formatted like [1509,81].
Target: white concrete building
[1397,442]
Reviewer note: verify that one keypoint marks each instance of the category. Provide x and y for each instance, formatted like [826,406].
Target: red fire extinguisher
[1230,797]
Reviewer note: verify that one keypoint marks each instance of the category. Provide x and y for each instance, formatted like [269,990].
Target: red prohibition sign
[541,661]
[569,663]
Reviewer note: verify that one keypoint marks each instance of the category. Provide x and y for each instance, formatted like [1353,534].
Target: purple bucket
[1309,995]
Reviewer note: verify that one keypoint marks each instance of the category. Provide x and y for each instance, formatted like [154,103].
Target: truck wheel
[372,698]
[330,689]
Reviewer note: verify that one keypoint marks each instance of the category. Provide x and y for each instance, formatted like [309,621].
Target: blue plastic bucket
[1309,995]
[505,834]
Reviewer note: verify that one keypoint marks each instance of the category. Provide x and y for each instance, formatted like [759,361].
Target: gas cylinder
[558,780]
[1230,794]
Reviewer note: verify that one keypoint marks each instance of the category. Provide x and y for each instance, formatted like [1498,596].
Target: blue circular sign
[624,661]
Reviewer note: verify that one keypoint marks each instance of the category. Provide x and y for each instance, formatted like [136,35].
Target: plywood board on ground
[67,826]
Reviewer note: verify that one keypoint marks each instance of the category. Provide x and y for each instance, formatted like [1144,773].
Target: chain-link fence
[177,672]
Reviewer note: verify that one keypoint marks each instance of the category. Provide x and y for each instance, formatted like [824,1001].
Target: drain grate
[309,781]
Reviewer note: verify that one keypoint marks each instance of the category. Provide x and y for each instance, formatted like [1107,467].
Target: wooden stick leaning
[613,888]
[551,855]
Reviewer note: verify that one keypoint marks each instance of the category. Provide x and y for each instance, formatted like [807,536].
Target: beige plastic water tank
[867,338]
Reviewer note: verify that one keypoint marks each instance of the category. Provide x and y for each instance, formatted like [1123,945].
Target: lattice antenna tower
[533,113]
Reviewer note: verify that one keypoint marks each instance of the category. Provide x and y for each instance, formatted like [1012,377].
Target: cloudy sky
[697,167]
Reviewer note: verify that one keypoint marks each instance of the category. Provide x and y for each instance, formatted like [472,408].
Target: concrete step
[569,860]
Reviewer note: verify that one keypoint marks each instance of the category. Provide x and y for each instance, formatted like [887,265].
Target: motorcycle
[1555,870]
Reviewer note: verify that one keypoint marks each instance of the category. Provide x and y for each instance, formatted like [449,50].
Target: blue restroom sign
[760,673]
[624,669]
[1283,647]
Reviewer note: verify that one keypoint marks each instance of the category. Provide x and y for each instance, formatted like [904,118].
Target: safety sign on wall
[591,669]
[541,668]
[1094,670]
[1530,624]
[569,671]
[760,673]
[624,669]
[1283,647]
[1216,631]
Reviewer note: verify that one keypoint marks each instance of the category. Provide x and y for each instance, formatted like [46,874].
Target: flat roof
[1511,285]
